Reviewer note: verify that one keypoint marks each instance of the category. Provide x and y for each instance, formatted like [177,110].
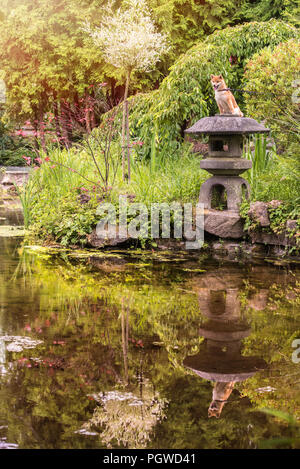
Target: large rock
[281,239]
[292,226]
[258,212]
[226,224]
[96,242]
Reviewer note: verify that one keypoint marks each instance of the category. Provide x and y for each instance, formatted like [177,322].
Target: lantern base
[232,191]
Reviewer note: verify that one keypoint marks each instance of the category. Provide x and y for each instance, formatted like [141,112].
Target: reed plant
[26,194]
[260,154]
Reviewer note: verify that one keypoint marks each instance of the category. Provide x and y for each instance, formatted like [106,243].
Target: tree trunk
[42,130]
[128,142]
[56,119]
[124,124]
[87,114]
[35,140]
[125,334]
[93,116]
[64,125]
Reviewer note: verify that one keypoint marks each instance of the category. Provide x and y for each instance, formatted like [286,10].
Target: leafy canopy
[128,38]
[186,95]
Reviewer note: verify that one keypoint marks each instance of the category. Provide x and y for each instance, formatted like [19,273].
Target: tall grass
[165,179]
[274,177]
[261,157]
[26,194]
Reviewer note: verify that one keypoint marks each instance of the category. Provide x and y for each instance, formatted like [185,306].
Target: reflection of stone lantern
[225,163]
[220,359]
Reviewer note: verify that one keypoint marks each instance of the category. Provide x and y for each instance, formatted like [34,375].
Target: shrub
[12,149]
[274,74]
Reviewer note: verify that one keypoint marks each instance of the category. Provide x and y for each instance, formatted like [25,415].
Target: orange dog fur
[225,99]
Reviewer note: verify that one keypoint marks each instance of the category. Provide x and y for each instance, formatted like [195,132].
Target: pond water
[145,350]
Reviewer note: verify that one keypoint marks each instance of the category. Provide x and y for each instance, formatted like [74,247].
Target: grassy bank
[66,186]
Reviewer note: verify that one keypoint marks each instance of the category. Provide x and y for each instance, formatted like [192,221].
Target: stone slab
[225,166]
[226,224]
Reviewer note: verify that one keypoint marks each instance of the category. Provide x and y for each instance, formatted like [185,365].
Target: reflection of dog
[220,396]
[225,99]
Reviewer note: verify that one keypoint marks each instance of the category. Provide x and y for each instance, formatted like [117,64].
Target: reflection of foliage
[76,310]
[127,419]
[274,329]
[292,441]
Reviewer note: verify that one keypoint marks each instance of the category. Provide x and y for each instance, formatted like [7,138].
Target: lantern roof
[227,124]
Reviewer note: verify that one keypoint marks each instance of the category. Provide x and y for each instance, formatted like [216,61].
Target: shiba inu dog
[221,393]
[225,99]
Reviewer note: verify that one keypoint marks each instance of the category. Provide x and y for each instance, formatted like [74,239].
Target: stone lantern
[226,133]
[220,358]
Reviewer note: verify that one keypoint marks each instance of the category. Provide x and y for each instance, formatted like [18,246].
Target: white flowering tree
[129,41]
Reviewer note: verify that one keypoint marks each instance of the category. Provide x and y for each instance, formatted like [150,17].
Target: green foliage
[277,182]
[26,194]
[47,57]
[12,149]
[188,22]
[275,75]
[283,442]
[287,10]
[68,186]
[186,94]
[58,211]
[166,179]
[69,223]
[280,182]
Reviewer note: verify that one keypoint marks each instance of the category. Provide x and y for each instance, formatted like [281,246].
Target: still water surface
[145,350]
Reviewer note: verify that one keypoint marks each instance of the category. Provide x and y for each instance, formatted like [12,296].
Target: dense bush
[12,149]
[275,74]
[288,10]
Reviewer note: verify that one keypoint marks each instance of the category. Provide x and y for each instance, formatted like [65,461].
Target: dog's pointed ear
[211,76]
[220,76]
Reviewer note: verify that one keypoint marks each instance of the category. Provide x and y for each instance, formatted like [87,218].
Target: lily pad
[17,343]
[36,249]
[283,262]
[194,270]
[8,231]
[93,254]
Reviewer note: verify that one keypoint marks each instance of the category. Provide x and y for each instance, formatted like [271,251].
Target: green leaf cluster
[275,75]
[267,9]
